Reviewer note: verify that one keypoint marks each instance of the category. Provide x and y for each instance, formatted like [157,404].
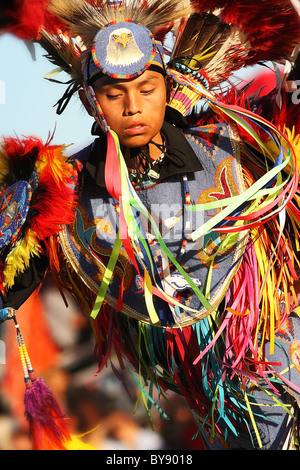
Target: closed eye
[113,97]
[147,92]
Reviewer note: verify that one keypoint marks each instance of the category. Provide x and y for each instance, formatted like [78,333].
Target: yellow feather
[55,159]
[77,444]
[294,140]
[18,259]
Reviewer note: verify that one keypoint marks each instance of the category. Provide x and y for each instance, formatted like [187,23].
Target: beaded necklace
[141,158]
[150,173]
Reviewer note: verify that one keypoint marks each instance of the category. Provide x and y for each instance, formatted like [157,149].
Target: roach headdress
[210,39]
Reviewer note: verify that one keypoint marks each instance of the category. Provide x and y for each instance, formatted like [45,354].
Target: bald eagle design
[122,49]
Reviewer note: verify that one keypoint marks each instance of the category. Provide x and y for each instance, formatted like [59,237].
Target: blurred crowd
[107,414]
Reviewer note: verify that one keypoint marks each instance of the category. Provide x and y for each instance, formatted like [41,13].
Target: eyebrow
[120,84]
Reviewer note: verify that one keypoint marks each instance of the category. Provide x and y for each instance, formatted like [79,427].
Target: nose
[133,103]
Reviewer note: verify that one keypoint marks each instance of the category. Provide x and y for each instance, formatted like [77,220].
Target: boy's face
[134,109]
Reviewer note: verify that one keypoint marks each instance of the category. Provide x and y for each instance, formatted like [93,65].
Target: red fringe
[179,351]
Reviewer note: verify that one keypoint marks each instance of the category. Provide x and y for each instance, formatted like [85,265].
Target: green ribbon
[107,276]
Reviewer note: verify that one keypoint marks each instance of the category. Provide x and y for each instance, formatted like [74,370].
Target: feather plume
[225,35]
[199,33]
[18,258]
[86,18]
[63,52]
[53,201]
[203,43]
[25,18]
[272,27]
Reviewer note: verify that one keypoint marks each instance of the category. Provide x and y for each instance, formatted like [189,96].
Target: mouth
[136,129]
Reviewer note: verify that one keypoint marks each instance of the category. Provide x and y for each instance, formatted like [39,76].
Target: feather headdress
[86,18]
[83,19]
[212,39]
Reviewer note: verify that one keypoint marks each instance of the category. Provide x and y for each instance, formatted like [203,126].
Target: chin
[136,141]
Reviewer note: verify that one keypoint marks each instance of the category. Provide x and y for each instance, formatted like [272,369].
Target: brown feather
[62,52]
[199,34]
[204,42]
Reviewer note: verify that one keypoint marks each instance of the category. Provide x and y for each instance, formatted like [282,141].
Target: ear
[84,100]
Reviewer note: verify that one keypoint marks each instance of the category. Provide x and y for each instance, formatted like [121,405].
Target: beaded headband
[122,50]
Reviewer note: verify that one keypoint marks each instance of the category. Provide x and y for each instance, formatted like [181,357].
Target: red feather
[25,18]
[208,5]
[53,202]
[54,207]
[271,27]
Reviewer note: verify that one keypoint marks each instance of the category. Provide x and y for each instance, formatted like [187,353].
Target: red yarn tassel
[47,424]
